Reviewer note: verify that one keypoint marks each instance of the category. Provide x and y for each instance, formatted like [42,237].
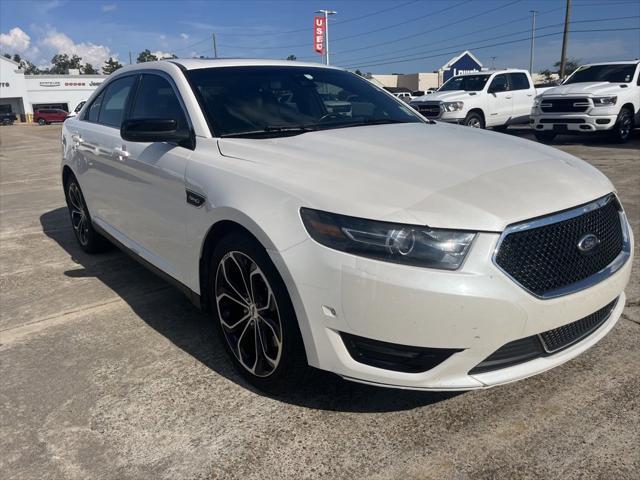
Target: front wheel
[545,137]
[41,121]
[624,125]
[254,315]
[473,120]
[90,241]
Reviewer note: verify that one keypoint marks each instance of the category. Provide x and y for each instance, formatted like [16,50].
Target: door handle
[121,154]
[508,98]
[529,94]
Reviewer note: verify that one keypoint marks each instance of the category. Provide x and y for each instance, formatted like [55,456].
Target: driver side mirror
[154,130]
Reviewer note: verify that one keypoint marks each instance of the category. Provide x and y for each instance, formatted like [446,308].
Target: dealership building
[466,62]
[22,94]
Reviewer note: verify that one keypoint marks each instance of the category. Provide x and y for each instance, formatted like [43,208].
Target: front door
[154,174]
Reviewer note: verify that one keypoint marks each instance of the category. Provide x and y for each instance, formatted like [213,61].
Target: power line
[379,58]
[525,39]
[382,28]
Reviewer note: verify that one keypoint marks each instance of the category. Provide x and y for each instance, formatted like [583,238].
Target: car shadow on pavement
[588,140]
[169,312]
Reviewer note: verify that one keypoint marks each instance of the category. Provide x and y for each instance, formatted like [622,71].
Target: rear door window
[519,81]
[115,100]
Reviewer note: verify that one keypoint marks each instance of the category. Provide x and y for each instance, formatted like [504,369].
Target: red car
[47,115]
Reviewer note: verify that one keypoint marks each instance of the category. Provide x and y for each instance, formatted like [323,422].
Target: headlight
[390,242]
[452,106]
[604,101]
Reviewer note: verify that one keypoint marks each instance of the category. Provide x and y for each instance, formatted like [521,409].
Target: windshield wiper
[272,130]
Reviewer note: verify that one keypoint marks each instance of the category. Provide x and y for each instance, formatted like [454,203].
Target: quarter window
[94,109]
[115,100]
[156,98]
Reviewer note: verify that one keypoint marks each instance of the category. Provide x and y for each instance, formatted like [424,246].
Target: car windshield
[620,73]
[469,83]
[271,100]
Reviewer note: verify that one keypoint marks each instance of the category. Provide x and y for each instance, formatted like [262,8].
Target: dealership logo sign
[4,84]
[49,84]
[319,29]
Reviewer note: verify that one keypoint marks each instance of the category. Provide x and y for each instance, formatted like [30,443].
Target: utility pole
[129,57]
[533,39]
[493,63]
[326,33]
[565,39]
[215,48]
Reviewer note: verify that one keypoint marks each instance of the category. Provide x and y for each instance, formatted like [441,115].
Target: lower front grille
[431,110]
[562,120]
[545,343]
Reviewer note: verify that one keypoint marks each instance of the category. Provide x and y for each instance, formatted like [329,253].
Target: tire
[254,315]
[621,132]
[6,121]
[41,121]
[545,137]
[473,120]
[89,240]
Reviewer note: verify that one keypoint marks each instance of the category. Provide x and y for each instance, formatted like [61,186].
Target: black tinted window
[519,81]
[468,83]
[114,102]
[243,99]
[622,73]
[94,109]
[499,83]
[156,98]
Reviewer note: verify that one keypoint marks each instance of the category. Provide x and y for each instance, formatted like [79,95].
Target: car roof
[622,62]
[199,63]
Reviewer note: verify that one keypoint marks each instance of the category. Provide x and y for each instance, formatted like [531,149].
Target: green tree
[570,66]
[29,68]
[88,69]
[6,55]
[17,58]
[62,63]
[111,66]
[146,56]
[358,72]
[292,57]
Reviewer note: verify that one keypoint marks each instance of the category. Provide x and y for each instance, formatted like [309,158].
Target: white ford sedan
[368,242]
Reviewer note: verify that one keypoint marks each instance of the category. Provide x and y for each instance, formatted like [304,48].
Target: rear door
[499,101]
[153,200]
[523,93]
[102,179]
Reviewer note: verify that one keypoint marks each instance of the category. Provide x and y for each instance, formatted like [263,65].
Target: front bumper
[476,309]
[593,120]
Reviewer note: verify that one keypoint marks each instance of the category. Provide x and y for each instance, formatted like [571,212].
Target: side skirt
[190,294]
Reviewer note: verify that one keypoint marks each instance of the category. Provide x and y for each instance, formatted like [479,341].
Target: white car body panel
[439,175]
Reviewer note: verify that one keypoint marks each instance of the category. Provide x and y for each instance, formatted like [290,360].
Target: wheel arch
[480,112]
[236,221]
[629,106]
[67,173]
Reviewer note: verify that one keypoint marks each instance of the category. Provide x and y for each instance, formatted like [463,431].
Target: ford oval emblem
[588,243]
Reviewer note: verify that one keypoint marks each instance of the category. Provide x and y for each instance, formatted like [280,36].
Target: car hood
[586,88]
[449,96]
[439,175]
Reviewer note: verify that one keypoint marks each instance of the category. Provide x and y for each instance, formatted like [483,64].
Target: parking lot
[108,372]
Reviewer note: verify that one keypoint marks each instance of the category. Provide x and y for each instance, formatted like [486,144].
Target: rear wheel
[90,241]
[545,137]
[41,121]
[624,125]
[254,315]
[473,120]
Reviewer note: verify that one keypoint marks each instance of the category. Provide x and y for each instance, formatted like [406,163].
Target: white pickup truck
[596,97]
[482,99]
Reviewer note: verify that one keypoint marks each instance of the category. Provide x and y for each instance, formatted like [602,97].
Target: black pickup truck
[7,118]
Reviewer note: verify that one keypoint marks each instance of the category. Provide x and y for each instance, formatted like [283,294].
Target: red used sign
[319,28]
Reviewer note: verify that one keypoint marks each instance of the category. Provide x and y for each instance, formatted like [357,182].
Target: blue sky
[380,36]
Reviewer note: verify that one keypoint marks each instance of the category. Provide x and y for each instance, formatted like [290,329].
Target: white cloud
[160,54]
[89,52]
[184,36]
[109,7]
[16,41]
